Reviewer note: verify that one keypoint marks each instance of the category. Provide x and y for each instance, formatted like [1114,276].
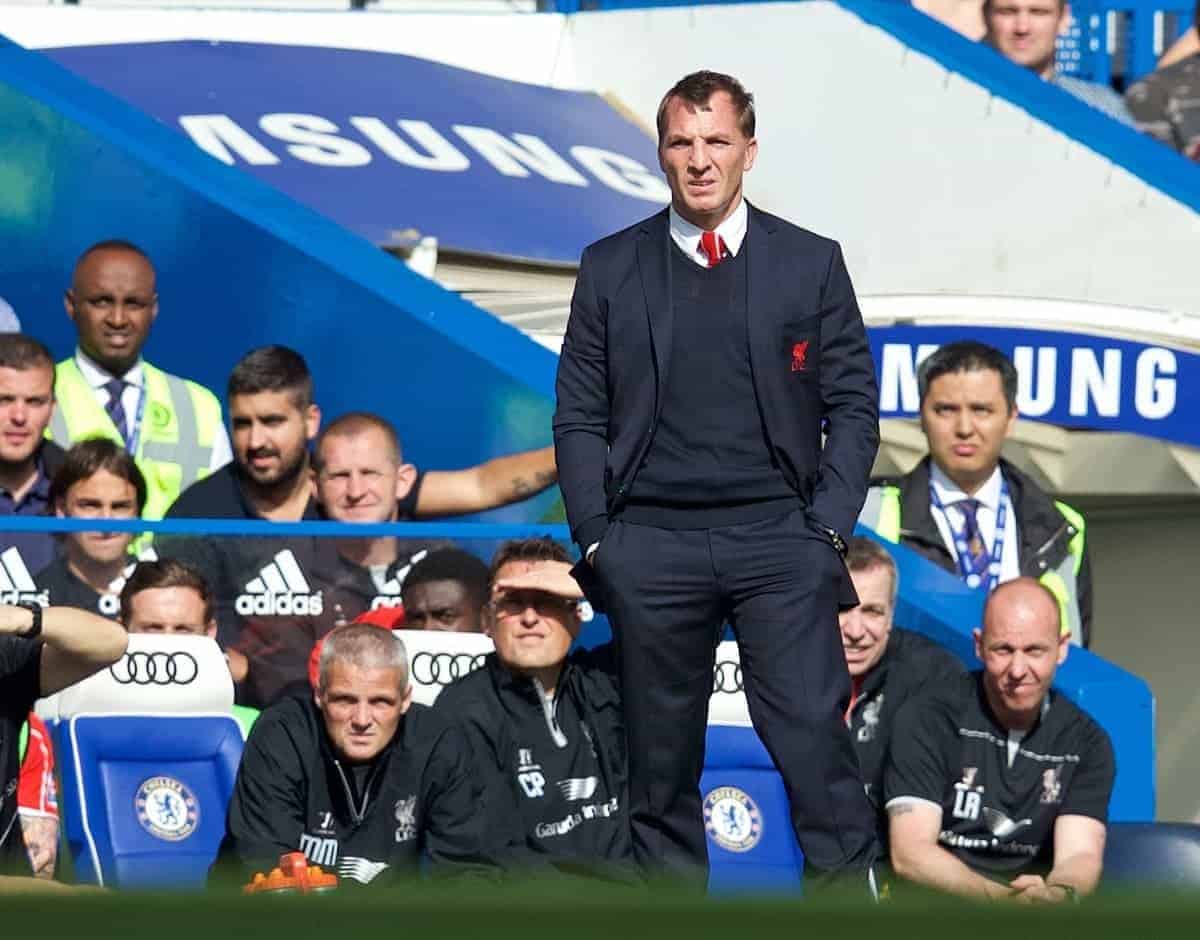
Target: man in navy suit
[708,348]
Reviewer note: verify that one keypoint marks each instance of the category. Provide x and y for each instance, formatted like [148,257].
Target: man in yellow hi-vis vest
[970,511]
[171,426]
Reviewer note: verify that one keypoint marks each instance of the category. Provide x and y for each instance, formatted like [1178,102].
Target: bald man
[172,427]
[997,788]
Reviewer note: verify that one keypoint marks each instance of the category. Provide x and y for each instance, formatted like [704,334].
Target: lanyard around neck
[961,548]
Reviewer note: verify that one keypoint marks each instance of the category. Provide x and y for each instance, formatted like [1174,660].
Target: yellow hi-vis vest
[180,422]
[882,514]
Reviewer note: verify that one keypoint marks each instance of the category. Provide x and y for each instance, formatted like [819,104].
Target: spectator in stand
[98,479]
[888,665]
[545,727]
[1024,32]
[1166,103]
[37,797]
[358,777]
[9,321]
[171,426]
[27,460]
[42,650]
[271,606]
[997,788]
[446,590]
[966,508]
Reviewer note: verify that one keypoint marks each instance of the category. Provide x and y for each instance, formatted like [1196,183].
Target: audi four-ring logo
[155,668]
[444,668]
[727,676]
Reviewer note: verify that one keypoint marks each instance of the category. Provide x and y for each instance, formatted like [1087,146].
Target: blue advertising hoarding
[390,146]
[1071,379]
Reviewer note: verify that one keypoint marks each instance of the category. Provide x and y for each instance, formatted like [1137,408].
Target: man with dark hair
[1025,33]
[97,479]
[545,726]
[42,651]
[167,596]
[1166,103]
[359,778]
[888,665]
[996,787]
[171,426]
[709,349]
[968,509]
[446,590]
[279,596]
[27,460]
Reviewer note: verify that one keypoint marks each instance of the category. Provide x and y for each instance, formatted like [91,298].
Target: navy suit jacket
[811,363]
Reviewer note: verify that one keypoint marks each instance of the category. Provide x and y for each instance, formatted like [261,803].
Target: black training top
[998,812]
[64,589]
[20,685]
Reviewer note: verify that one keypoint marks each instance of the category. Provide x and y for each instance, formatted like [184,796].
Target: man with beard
[97,479]
[272,609]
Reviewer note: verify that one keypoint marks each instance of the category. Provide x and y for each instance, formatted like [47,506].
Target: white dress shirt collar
[732,232]
[97,376]
[949,492]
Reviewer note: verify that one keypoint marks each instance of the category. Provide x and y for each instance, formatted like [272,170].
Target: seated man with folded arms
[888,665]
[42,650]
[997,787]
[545,726]
[358,777]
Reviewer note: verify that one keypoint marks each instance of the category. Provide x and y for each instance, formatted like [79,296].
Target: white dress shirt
[732,231]
[131,397]
[988,497]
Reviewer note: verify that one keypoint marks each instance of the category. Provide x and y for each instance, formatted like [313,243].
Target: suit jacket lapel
[653,256]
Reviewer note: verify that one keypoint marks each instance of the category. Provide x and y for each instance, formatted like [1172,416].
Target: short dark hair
[90,456]
[451,564]
[540,548]
[22,352]
[863,554]
[968,355]
[111,244]
[356,422]
[164,573]
[272,369]
[698,87]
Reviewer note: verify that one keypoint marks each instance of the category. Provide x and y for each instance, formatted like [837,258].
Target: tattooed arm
[495,483]
[913,827]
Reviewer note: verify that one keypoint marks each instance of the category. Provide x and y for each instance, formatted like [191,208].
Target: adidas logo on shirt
[16,583]
[280,590]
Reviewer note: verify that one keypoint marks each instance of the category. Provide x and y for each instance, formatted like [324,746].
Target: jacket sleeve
[454,825]
[582,412]
[266,813]
[849,399]
[1083,589]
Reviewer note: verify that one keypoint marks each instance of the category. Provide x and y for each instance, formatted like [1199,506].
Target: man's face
[1021,648]
[441,605]
[271,435]
[169,610]
[704,153]
[966,418]
[1024,31]
[26,404]
[113,302]
[362,709]
[531,629]
[360,481]
[865,628]
[103,495]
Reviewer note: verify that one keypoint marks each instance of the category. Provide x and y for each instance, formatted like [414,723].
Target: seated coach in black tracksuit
[361,780]
[545,727]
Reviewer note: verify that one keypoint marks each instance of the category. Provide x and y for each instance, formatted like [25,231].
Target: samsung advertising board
[1069,376]
[392,146]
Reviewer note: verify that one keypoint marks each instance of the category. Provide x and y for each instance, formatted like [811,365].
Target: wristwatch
[1068,891]
[35,629]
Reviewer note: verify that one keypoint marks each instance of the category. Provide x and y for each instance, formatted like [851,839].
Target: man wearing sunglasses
[545,726]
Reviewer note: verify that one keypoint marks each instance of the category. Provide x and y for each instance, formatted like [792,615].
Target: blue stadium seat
[751,845]
[1160,855]
[144,796]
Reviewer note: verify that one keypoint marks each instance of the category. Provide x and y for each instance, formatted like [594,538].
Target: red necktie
[713,246]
